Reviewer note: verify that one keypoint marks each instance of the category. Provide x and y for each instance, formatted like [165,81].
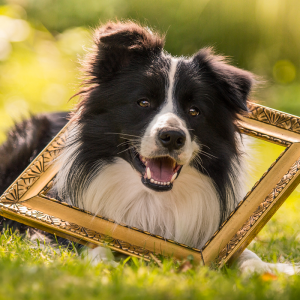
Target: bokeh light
[42,42]
[284,71]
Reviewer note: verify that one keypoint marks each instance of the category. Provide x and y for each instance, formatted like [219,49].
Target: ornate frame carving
[25,200]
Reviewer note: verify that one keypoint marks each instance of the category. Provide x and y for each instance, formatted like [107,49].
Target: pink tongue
[161,168]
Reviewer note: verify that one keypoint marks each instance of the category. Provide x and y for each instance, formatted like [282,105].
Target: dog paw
[249,263]
[254,266]
[100,255]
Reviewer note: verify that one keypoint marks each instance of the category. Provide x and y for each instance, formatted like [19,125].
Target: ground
[32,270]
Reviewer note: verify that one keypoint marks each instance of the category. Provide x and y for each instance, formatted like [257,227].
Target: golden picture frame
[26,200]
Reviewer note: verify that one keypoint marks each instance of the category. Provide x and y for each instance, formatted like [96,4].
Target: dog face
[157,112]
[166,144]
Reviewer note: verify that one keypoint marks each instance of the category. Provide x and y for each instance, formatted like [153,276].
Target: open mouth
[158,173]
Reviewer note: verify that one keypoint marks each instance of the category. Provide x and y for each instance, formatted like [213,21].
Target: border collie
[154,142]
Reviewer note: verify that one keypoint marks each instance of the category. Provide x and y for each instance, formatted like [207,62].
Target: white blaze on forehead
[170,91]
[167,118]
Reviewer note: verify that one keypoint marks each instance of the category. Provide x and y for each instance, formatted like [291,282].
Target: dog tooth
[165,183]
[143,159]
[152,180]
[174,177]
[148,173]
[168,183]
[155,181]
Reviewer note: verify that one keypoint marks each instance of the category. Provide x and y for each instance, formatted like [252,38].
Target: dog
[153,141]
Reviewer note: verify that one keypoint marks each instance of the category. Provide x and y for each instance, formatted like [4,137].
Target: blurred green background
[42,41]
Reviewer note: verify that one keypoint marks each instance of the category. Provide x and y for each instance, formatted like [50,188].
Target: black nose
[172,139]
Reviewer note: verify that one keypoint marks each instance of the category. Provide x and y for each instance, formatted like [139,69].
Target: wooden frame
[25,200]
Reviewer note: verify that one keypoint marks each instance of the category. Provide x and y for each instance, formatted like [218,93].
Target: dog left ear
[128,36]
[233,84]
[117,45]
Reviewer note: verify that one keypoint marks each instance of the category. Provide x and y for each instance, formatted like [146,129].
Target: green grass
[40,73]
[36,271]
[31,271]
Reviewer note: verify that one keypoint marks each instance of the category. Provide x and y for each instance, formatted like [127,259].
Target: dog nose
[172,139]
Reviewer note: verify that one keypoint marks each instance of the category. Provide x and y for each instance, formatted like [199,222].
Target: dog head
[157,112]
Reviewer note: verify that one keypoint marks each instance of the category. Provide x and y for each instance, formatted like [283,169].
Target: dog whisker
[207,154]
[128,142]
[198,159]
[125,134]
[205,146]
[132,147]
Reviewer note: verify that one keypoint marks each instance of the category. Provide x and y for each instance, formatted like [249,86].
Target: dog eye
[194,111]
[143,103]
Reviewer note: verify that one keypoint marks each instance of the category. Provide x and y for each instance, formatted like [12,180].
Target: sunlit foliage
[41,43]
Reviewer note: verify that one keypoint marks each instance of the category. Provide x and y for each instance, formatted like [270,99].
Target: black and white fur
[141,107]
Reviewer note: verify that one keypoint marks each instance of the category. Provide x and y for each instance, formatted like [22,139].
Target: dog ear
[233,84]
[119,44]
[129,36]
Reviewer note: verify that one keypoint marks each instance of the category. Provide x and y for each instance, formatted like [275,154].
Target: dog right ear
[233,84]
[117,45]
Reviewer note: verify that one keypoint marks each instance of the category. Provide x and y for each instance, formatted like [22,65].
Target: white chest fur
[189,213]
